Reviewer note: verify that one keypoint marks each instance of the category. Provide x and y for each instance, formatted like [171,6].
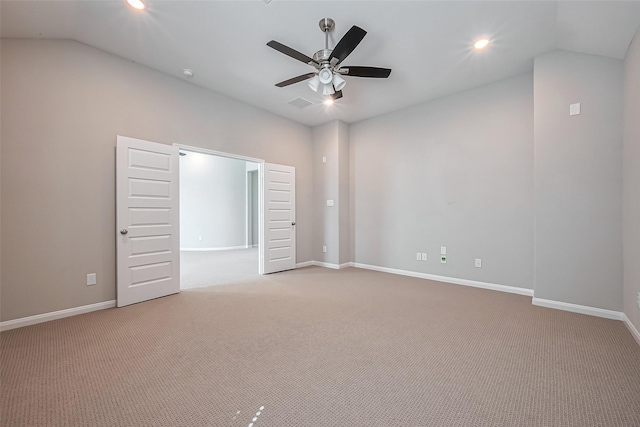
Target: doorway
[148,218]
[219,219]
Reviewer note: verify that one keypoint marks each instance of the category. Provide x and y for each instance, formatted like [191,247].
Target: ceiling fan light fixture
[314,83]
[325,75]
[328,89]
[338,81]
[328,101]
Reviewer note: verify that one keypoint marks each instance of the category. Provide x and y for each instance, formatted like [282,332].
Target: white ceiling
[426,43]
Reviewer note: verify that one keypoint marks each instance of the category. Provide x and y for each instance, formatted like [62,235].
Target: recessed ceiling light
[137,4]
[187,72]
[481,44]
[328,101]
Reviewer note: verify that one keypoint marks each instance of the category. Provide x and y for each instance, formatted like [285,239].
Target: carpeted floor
[212,268]
[323,348]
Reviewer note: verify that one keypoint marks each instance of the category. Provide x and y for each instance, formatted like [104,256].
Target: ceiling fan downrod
[322,56]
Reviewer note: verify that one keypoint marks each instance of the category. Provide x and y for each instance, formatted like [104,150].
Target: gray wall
[578,180]
[325,187]
[456,172]
[63,103]
[213,202]
[631,182]
[331,182]
[344,232]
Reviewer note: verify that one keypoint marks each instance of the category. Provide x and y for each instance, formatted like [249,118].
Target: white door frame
[249,213]
[260,188]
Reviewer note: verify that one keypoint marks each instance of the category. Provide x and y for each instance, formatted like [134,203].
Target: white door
[147,206]
[279,238]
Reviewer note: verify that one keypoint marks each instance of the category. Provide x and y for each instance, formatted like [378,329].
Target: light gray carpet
[325,348]
[212,268]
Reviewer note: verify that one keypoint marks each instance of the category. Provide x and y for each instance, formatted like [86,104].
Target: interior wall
[631,183]
[325,187]
[344,206]
[213,202]
[455,172]
[63,103]
[578,179]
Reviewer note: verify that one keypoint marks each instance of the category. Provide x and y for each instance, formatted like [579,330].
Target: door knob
[293,223]
[124,231]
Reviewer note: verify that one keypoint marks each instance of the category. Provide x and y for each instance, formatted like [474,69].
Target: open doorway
[219,219]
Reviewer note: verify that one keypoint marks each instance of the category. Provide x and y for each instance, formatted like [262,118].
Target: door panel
[279,233]
[147,199]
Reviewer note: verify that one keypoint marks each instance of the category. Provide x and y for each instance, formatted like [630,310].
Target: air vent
[300,102]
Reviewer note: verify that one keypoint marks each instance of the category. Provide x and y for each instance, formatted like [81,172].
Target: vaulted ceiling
[428,44]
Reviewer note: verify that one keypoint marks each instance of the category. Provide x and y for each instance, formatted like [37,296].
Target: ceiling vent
[300,102]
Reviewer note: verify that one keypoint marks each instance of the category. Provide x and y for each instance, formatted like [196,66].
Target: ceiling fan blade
[291,52]
[347,43]
[337,95]
[374,72]
[295,79]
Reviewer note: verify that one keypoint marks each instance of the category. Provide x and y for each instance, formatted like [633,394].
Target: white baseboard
[45,317]
[575,308]
[229,248]
[305,264]
[454,280]
[324,264]
[634,332]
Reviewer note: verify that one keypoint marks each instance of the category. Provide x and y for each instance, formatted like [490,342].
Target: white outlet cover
[329,202]
[424,256]
[443,250]
[418,256]
[574,109]
[91,279]
[324,159]
[324,249]
[478,263]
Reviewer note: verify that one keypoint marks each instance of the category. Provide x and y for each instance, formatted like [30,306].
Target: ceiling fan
[328,62]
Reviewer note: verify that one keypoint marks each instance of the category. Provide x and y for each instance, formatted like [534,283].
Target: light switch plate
[424,256]
[329,202]
[418,256]
[324,159]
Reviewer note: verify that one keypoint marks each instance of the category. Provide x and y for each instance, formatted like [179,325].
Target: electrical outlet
[418,256]
[324,249]
[443,259]
[424,256]
[200,238]
[91,279]
[478,263]
[443,250]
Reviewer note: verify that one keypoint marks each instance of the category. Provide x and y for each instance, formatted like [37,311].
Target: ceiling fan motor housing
[322,56]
